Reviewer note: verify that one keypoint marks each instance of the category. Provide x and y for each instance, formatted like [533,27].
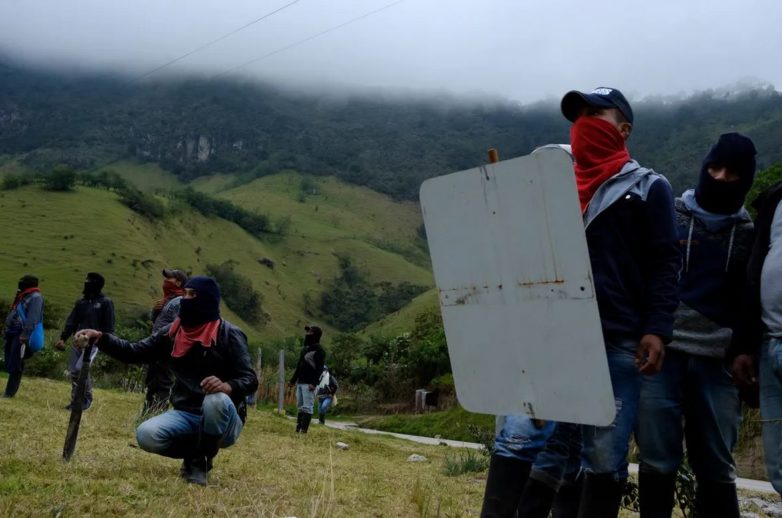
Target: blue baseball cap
[600,97]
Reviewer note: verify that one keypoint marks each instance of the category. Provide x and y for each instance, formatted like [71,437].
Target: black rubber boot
[567,500]
[198,466]
[322,418]
[717,499]
[305,422]
[600,496]
[298,421]
[196,472]
[656,493]
[536,500]
[504,486]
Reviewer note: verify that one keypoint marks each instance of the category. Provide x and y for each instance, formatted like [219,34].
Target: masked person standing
[213,376]
[633,248]
[306,376]
[25,314]
[694,398]
[160,379]
[93,310]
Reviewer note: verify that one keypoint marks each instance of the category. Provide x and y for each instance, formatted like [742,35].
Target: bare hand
[312,387]
[23,339]
[743,370]
[213,385]
[86,337]
[649,354]
[60,345]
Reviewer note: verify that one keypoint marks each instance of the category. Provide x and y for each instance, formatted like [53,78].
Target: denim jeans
[771,408]
[325,404]
[560,459]
[605,447]
[305,398]
[75,361]
[554,449]
[518,437]
[700,391]
[218,418]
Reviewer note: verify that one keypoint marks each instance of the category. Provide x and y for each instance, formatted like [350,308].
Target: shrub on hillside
[350,302]
[62,178]
[142,203]
[13,181]
[255,223]
[238,293]
[107,179]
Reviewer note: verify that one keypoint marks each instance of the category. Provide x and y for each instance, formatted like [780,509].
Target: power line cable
[310,38]
[209,44]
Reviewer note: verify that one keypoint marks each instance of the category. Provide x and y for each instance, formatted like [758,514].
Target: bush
[142,203]
[466,461]
[107,179]
[253,222]
[48,363]
[238,292]
[350,302]
[62,178]
[13,181]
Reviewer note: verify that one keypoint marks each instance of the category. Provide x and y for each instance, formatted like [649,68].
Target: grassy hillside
[146,176]
[403,320]
[60,236]
[270,472]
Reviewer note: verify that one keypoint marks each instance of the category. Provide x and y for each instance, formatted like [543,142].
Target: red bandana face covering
[600,153]
[170,290]
[185,338]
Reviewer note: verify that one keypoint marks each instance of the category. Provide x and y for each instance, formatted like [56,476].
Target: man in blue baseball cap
[633,247]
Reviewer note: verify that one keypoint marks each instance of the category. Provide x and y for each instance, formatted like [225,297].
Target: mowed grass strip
[269,472]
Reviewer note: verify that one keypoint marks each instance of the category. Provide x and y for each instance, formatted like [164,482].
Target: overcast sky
[514,49]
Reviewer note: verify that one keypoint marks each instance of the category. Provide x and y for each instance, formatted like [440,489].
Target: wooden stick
[494,156]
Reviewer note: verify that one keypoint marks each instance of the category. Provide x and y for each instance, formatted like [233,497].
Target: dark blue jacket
[634,252]
[90,313]
[713,277]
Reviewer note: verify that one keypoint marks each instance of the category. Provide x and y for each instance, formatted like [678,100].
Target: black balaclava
[27,282]
[313,335]
[737,153]
[204,307]
[93,285]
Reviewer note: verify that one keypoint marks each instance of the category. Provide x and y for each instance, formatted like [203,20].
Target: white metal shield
[512,269]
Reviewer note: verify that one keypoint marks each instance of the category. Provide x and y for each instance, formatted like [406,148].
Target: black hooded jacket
[228,360]
[310,365]
[90,313]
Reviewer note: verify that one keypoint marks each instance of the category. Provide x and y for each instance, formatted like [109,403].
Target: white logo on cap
[602,91]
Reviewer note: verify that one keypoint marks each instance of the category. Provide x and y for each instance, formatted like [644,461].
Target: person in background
[93,310]
[761,343]
[305,377]
[25,314]
[694,398]
[326,393]
[159,378]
